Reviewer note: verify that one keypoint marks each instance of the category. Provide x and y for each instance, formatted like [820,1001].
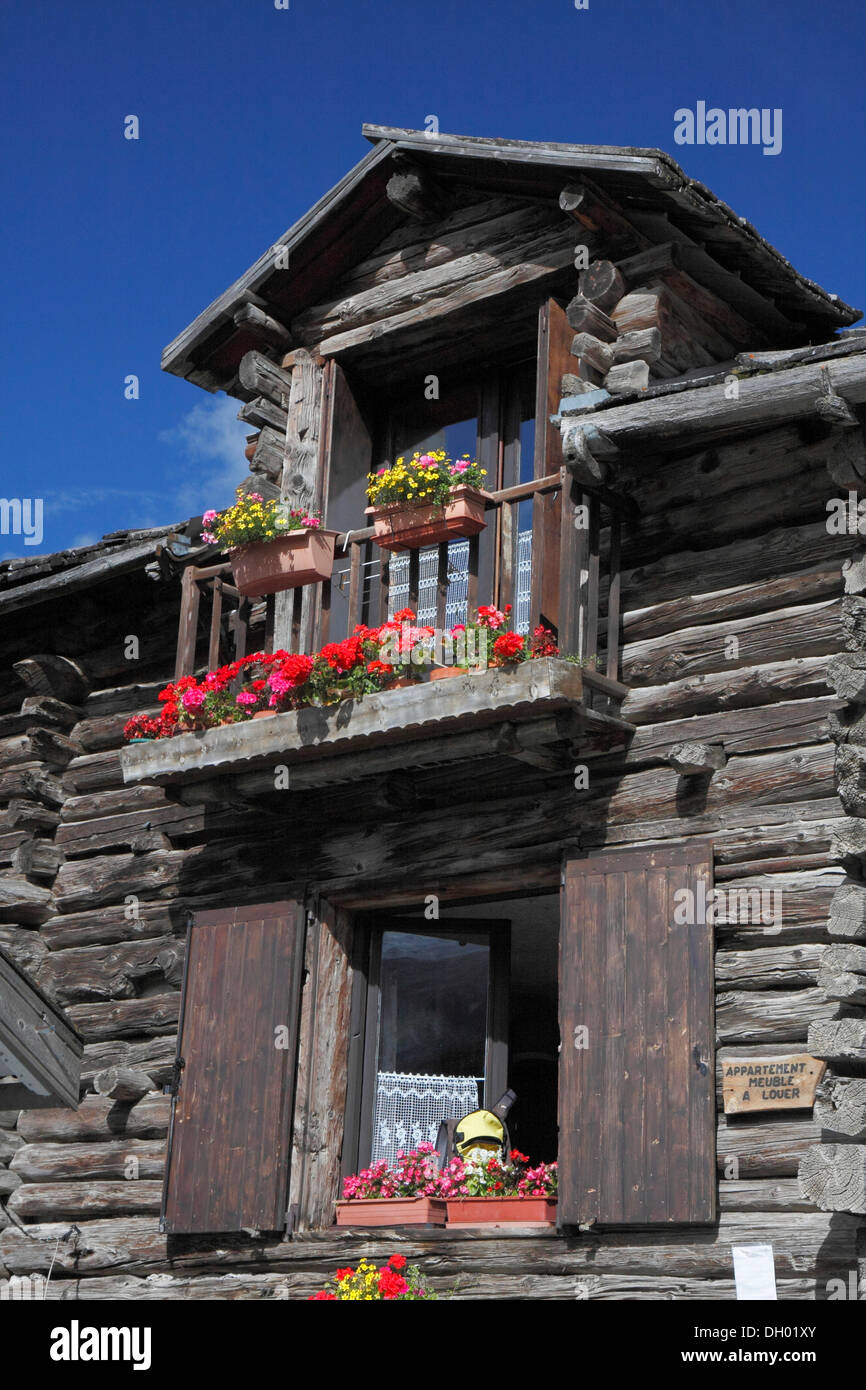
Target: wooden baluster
[239,626]
[573,554]
[190,597]
[593,540]
[613,602]
[213,651]
[414,580]
[324,617]
[472,580]
[355,586]
[442,585]
[384,584]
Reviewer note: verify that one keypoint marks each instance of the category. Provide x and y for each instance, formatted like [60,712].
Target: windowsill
[517,713]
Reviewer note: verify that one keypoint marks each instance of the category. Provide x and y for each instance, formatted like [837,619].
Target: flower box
[392,1211]
[293,559]
[409,525]
[476,1211]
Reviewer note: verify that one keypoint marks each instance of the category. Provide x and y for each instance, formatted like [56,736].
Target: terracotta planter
[264,713]
[392,1211]
[409,525]
[475,1211]
[401,683]
[299,557]
[444,673]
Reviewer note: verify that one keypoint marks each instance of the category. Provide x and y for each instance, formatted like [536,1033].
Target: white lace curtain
[410,1107]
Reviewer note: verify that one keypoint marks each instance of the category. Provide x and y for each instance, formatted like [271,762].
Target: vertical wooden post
[269,622]
[593,539]
[239,625]
[442,584]
[324,617]
[614,599]
[472,579]
[213,651]
[573,552]
[414,579]
[190,596]
[355,587]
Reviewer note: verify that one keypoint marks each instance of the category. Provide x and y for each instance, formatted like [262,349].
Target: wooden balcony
[540,713]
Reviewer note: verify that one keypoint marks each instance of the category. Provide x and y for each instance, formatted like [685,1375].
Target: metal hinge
[172,1088]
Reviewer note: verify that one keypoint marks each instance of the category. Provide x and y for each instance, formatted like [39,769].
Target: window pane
[432,1036]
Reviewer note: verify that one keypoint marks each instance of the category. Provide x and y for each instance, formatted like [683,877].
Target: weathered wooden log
[843,1113]
[269,454]
[854,573]
[25,946]
[846,459]
[253,319]
[122,699]
[756,729]
[696,759]
[833,1176]
[847,916]
[84,837]
[774,1015]
[47,712]
[9,1145]
[54,675]
[155,1056]
[92,772]
[128,921]
[158,1013]
[589,349]
[31,782]
[119,971]
[261,412]
[585,317]
[807,630]
[849,843]
[740,688]
[602,285]
[31,815]
[47,746]
[853,621]
[639,344]
[97,1117]
[96,805]
[840,1042]
[843,973]
[627,377]
[771,967]
[115,1160]
[801,1241]
[21,901]
[8,1181]
[122,1083]
[742,600]
[37,859]
[72,1200]
[415,193]
[771,1146]
[259,375]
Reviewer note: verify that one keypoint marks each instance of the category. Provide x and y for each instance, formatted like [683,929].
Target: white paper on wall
[754,1272]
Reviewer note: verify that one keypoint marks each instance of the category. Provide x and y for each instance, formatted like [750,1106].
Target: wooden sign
[770,1083]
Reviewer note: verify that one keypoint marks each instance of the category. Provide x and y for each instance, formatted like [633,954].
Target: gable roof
[657,197]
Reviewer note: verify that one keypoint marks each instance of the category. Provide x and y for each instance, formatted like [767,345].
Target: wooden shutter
[230,1138]
[555,336]
[637,1101]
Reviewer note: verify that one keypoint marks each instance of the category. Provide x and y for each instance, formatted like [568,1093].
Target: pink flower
[246,697]
[192,699]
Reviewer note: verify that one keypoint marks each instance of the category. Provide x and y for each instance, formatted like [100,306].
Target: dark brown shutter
[228,1161]
[637,1103]
[555,336]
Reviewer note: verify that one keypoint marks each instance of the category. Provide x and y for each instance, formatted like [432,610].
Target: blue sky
[248,114]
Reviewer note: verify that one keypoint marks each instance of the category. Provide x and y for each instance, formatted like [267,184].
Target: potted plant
[272,546]
[404,1193]
[394,1282]
[485,1189]
[426,500]
[141,728]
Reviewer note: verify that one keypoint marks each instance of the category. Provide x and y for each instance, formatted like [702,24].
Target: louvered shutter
[231,1130]
[637,1087]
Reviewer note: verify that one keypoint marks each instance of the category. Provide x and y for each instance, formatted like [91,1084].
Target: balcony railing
[551,549]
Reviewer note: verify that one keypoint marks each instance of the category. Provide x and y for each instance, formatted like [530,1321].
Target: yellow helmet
[479,1130]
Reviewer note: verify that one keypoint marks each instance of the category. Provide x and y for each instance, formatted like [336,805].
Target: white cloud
[211,437]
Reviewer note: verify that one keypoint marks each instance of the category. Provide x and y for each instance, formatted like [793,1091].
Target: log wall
[735,611]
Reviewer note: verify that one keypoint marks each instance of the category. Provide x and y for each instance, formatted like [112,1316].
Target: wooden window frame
[366,997]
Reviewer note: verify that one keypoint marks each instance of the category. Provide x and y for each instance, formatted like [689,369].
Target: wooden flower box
[478,1211]
[409,525]
[298,557]
[392,1211]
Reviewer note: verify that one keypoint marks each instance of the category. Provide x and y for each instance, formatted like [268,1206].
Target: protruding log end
[122,1083]
[696,759]
[833,1176]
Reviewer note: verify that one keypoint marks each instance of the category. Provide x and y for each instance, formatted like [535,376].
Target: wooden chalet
[474,883]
